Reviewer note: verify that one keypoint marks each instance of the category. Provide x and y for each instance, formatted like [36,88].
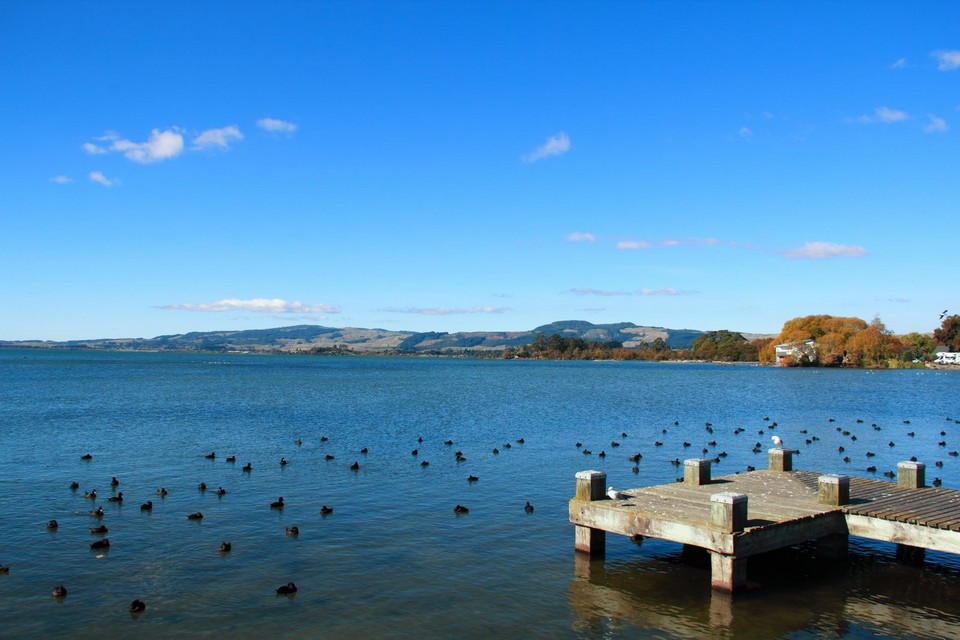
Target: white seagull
[943,314]
[777,442]
[613,494]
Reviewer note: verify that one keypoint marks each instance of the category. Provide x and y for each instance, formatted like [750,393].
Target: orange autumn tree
[830,335]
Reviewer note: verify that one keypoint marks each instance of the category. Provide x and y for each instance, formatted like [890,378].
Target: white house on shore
[942,356]
[792,352]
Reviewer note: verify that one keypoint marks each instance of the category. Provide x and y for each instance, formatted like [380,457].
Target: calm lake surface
[393,560]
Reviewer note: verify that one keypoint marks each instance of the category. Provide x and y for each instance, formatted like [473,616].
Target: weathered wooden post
[780,459]
[911,475]
[591,486]
[834,490]
[696,471]
[728,514]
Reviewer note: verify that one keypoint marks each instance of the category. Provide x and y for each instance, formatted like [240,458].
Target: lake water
[393,560]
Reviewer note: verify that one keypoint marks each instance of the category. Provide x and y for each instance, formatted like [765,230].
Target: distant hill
[313,338]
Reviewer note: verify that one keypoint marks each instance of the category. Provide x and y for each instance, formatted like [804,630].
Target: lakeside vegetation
[815,340]
[725,346]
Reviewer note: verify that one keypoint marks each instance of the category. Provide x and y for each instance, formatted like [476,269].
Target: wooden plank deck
[779,509]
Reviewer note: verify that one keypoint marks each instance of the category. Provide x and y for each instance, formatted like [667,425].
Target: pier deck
[737,516]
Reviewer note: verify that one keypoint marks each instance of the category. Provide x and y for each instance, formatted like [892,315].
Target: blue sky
[459,166]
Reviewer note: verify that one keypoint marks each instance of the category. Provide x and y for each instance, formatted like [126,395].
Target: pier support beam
[591,486]
[696,471]
[911,475]
[780,459]
[833,490]
[727,573]
[728,513]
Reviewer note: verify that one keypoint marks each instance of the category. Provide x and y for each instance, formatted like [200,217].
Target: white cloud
[217,138]
[256,305]
[947,60]
[883,115]
[446,311]
[578,236]
[633,245]
[822,250]
[901,63]
[161,145]
[936,125]
[554,146]
[658,292]
[61,179]
[276,126]
[99,178]
[745,132]
[891,115]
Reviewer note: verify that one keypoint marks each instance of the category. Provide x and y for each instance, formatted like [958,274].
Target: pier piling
[591,486]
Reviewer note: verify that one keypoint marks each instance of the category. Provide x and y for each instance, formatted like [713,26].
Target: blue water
[393,559]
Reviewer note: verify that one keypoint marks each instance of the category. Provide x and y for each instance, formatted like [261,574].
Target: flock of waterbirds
[806,438]
[102,544]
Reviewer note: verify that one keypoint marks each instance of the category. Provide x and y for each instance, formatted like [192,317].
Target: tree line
[818,340]
[726,346]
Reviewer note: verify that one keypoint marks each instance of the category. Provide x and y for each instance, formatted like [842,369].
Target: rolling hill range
[313,338]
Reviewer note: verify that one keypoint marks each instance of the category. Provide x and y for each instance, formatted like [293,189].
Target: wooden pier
[738,516]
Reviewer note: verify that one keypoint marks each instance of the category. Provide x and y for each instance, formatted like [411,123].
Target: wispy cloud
[274,125]
[598,292]
[659,292]
[554,146]
[61,179]
[881,115]
[256,305]
[947,60]
[665,291]
[99,178]
[634,245]
[935,124]
[640,245]
[217,138]
[161,145]
[900,63]
[745,132]
[579,236]
[823,250]
[446,311]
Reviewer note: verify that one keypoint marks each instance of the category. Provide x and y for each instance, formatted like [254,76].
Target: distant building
[942,356]
[791,353]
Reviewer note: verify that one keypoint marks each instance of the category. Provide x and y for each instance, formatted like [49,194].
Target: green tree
[917,346]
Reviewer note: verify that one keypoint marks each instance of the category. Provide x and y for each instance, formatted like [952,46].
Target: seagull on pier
[777,442]
[613,494]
